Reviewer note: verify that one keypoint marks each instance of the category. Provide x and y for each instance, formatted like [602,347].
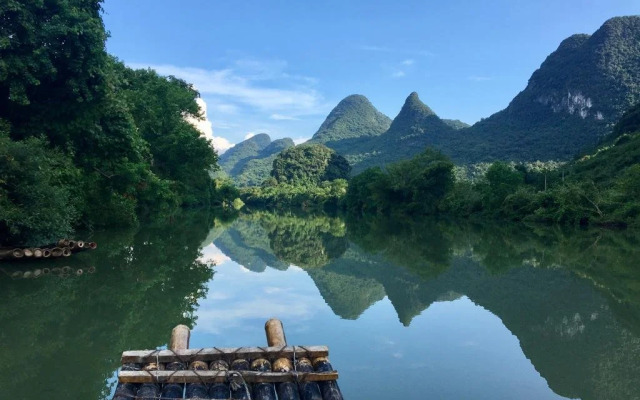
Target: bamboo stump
[276,338]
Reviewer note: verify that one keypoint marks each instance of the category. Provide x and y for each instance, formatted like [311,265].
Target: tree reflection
[66,334]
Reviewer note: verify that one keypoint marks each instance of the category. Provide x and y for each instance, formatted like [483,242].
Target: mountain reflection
[572,297]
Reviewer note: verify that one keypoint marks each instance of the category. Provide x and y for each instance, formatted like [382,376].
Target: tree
[309,164]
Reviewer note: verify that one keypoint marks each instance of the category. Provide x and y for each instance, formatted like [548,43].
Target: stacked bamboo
[275,372]
[62,248]
[62,272]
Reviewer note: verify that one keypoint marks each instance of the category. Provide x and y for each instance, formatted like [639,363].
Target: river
[409,309]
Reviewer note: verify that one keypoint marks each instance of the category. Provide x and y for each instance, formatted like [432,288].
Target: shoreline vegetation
[87,142]
[601,189]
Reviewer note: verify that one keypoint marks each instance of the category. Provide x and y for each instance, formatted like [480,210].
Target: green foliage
[249,162]
[327,195]
[502,180]
[629,123]
[600,189]
[36,198]
[118,136]
[414,186]
[309,164]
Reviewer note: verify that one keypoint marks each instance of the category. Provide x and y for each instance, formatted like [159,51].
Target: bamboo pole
[219,391]
[28,252]
[308,390]
[275,333]
[263,391]
[241,391]
[197,390]
[171,391]
[329,389]
[11,253]
[276,338]
[180,338]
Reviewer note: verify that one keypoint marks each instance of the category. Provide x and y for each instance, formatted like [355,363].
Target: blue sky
[280,66]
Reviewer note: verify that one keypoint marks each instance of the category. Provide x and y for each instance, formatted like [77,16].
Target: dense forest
[309,176]
[599,188]
[85,140]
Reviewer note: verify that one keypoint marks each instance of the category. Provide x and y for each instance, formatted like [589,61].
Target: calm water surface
[415,310]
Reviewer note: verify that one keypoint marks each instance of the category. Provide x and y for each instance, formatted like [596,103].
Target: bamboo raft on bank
[62,248]
[61,272]
[278,371]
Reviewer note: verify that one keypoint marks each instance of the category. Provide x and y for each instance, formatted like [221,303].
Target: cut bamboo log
[28,252]
[148,391]
[93,245]
[180,338]
[329,389]
[211,354]
[276,337]
[263,391]
[171,391]
[221,376]
[197,390]
[126,391]
[275,333]
[66,252]
[308,390]
[37,253]
[239,388]
[56,252]
[219,391]
[46,253]
[11,253]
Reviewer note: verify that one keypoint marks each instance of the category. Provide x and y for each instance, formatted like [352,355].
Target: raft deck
[278,371]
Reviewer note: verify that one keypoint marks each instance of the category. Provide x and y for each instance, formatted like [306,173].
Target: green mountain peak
[353,118]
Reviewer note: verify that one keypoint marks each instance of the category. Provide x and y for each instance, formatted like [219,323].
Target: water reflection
[62,337]
[408,288]
[571,297]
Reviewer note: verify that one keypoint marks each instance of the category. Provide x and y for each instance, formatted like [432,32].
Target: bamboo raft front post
[276,338]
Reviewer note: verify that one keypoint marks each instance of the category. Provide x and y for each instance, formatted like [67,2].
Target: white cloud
[398,74]
[246,90]
[206,128]
[280,117]
[408,62]
[249,135]
[300,140]
[221,144]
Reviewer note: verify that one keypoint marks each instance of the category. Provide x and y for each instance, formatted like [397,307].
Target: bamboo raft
[62,248]
[278,371]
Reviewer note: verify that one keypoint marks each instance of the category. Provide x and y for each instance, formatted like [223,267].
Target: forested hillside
[85,140]
[352,122]
[249,162]
[601,188]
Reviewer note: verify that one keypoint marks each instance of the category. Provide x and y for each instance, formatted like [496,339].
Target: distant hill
[250,161]
[570,103]
[413,129]
[353,119]
[456,123]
